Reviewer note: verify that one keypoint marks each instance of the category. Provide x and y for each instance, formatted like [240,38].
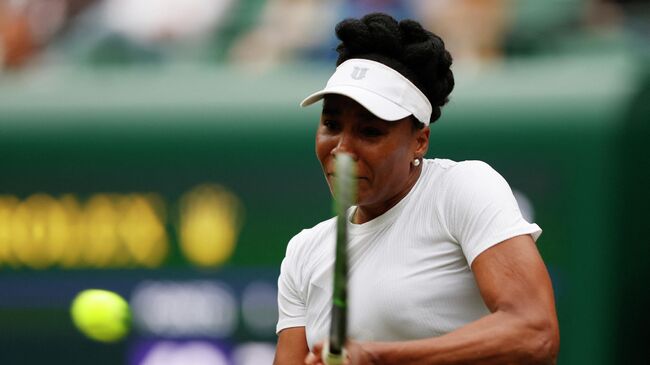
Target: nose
[345,144]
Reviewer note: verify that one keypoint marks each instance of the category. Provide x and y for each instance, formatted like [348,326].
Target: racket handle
[333,359]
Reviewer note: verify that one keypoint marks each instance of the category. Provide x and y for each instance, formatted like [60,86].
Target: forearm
[499,338]
[292,347]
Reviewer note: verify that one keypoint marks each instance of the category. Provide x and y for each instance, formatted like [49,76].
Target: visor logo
[359,73]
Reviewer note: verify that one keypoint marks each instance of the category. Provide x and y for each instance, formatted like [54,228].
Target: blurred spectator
[27,26]
[16,44]
[291,29]
[574,26]
[473,30]
[159,21]
[601,14]
[120,32]
[110,31]
[285,27]
[637,17]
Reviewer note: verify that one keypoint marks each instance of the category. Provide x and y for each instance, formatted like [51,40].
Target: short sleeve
[291,304]
[482,210]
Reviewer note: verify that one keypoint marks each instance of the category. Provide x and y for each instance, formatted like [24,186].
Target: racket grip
[333,359]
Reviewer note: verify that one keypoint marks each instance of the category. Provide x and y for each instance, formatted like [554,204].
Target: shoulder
[449,175]
[461,169]
[472,188]
[477,176]
[463,174]
[458,169]
[307,239]
[473,168]
[304,251]
[457,186]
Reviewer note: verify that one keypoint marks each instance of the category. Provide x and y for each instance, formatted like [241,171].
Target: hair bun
[374,33]
[405,46]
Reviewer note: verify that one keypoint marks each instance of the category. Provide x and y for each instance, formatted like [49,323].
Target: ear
[422,141]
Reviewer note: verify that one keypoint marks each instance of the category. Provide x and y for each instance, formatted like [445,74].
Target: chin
[362,199]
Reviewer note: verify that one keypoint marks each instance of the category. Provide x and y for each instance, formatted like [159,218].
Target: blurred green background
[165,157]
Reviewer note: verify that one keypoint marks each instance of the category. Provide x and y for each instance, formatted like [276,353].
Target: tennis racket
[345,192]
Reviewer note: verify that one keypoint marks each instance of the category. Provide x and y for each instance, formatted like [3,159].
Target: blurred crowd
[265,33]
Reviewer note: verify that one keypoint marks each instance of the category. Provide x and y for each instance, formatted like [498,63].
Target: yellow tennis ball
[101,315]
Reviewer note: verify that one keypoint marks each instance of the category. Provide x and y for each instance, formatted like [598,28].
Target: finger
[312,359]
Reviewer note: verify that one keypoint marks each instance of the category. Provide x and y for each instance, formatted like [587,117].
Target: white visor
[378,88]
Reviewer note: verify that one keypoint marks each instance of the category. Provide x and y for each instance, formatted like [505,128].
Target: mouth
[333,175]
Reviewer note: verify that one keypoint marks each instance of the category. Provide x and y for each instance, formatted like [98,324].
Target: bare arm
[522,328]
[292,347]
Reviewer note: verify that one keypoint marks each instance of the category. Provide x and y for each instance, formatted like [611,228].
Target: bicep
[292,347]
[512,278]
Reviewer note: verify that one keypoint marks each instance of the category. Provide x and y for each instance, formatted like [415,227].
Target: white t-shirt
[409,269]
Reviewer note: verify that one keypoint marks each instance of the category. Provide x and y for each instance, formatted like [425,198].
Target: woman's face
[382,149]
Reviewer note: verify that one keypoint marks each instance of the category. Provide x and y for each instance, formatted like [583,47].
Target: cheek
[323,147]
[391,168]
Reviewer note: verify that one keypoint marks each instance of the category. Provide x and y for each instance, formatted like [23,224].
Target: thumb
[314,357]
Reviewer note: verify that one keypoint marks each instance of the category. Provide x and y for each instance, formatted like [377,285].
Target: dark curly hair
[414,52]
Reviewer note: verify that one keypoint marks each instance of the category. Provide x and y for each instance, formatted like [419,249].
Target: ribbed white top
[410,271]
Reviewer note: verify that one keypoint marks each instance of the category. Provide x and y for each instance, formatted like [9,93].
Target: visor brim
[374,103]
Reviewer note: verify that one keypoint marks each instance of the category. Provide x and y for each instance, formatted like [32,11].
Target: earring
[416,162]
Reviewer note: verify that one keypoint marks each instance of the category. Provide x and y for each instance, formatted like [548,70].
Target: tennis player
[443,268]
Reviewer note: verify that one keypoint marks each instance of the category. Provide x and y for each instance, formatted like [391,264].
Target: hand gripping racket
[345,192]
